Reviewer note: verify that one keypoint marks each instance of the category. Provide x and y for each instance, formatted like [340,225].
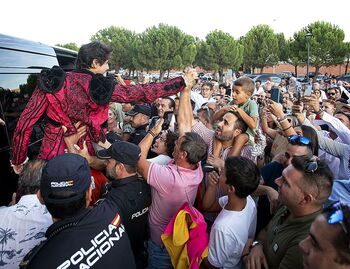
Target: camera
[167,119]
[207,168]
[110,74]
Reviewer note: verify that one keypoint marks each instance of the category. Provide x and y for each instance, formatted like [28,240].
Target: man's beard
[111,175]
[222,137]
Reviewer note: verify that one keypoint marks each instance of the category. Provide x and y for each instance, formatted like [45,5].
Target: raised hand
[275,108]
[158,127]
[82,151]
[216,161]
[213,179]
[313,102]
[190,76]
[73,139]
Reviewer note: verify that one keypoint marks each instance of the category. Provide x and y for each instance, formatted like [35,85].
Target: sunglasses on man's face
[331,93]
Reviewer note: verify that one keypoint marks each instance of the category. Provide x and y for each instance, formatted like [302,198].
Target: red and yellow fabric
[186,238]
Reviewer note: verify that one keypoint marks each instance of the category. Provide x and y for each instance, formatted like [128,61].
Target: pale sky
[65,21]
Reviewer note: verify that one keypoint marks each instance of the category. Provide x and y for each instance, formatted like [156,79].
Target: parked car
[20,63]
[312,74]
[251,76]
[207,77]
[345,78]
[320,77]
[286,74]
[264,77]
[301,78]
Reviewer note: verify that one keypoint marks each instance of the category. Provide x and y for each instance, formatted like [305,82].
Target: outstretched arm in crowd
[120,79]
[277,110]
[238,143]
[148,93]
[217,147]
[185,117]
[143,164]
[221,112]
[334,148]
[210,202]
[251,121]
[335,124]
[264,125]
[72,147]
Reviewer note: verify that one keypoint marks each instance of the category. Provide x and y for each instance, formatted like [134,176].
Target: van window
[21,62]
[15,90]
[20,59]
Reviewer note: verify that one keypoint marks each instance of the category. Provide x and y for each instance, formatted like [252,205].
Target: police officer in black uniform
[140,119]
[80,237]
[133,193]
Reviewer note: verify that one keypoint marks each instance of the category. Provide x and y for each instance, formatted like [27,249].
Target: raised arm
[277,110]
[265,127]
[336,125]
[185,115]
[210,202]
[143,164]
[147,93]
[335,148]
[221,112]
[249,120]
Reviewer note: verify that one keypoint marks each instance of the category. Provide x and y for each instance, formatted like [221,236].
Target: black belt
[53,122]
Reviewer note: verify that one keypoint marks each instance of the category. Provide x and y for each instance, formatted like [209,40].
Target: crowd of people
[180,174]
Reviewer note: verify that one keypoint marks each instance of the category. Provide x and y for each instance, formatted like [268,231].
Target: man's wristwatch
[279,119]
[255,243]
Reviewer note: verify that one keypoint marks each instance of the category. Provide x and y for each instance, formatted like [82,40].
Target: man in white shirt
[164,105]
[258,89]
[204,97]
[237,219]
[25,223]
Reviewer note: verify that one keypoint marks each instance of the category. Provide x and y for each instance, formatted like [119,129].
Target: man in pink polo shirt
[172,184]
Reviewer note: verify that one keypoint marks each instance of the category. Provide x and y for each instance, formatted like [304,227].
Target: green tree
[326,44]
[121,41]
[293,55]
[219,51]
[164,47]
[260,47]
[282,47]
[71,46]
[29,87]
[347,55]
